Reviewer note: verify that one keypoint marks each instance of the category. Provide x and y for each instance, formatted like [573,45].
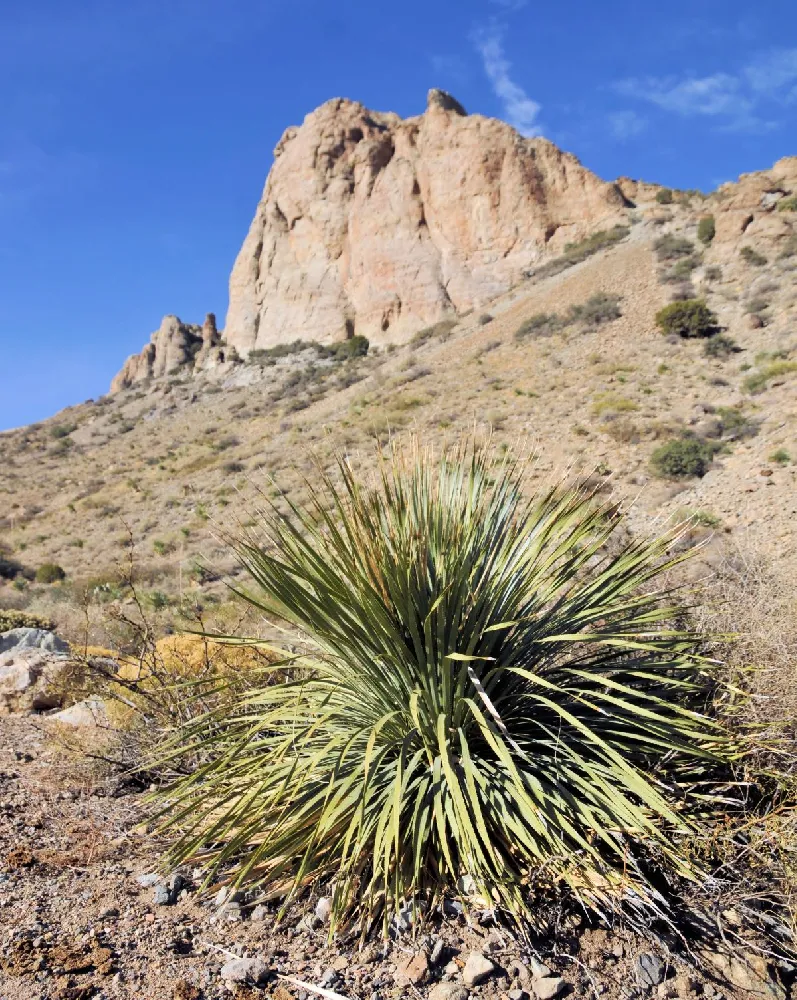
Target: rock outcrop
[174,346]
[377,225]
[33,663]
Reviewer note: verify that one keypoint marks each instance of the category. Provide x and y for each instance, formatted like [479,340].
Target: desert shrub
[758,304]
[681,270]
[441,329]
[713,272]
[10,568]
[59,431]
[735,424]
[788,204]
[574,253]
[611,402]
[720,345]
[355,347]
[690,318]
[602,307]
[780,457]
[682,458]
[475,694]
[706,229]
[670,247]
[539,325]
[664,196]
[12,618]
[484,319]
[751,256]
[759,380]
[50,573]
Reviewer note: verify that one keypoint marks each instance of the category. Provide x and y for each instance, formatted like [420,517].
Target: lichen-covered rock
[377,225]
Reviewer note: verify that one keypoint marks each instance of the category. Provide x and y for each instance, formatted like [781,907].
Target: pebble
[477,969]
[548,988]
[245,970]
[437,951]
[323,909]
[649,969]
[448,991]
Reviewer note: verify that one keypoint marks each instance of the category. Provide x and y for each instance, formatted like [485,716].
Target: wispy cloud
[520,110]
[742,101]
[771,71]
[626,125]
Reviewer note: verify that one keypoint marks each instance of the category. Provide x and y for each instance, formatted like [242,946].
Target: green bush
[354,347]
[59,431]
[719,345]
[706,229]
[664,196]
[735,425]
[788,204]
[540,325]
[683,458]
[780,457]
[486,686]
[50,573]
[602,307]
[670,247]
[758,381]
[751,256]
[690,318]
[441,330]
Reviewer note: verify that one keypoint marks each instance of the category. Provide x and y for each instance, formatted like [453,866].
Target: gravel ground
[83,913]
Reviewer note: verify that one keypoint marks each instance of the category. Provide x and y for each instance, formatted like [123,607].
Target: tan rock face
[748,209]
[377,225]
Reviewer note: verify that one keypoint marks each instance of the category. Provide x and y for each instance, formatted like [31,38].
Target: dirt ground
[84,913]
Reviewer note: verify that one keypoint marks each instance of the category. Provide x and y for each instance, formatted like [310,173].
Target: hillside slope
[595,395]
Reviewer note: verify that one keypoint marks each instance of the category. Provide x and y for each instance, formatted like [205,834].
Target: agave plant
[486,687]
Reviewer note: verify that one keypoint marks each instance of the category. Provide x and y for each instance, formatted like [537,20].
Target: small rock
[516,994]
[329,978]
[232,913]
[260,912]
[245,970]
[451,969]
[477,969]
[341,963]
[413,970]
[539,970]
[162,895]
[649,969]
[437,951]
[147,880]
[548,988]
[448,991]
[323,909]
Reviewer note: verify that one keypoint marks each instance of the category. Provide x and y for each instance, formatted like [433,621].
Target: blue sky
[135,137]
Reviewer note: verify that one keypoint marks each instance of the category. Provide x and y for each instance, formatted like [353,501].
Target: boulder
[33,666]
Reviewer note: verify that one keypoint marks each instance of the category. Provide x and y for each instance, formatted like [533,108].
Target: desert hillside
[443,278]
[569,364]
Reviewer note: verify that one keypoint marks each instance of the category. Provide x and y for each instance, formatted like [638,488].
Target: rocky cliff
[377,225]
[174,345]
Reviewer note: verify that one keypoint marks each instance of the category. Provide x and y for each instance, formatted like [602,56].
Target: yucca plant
[487,686]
